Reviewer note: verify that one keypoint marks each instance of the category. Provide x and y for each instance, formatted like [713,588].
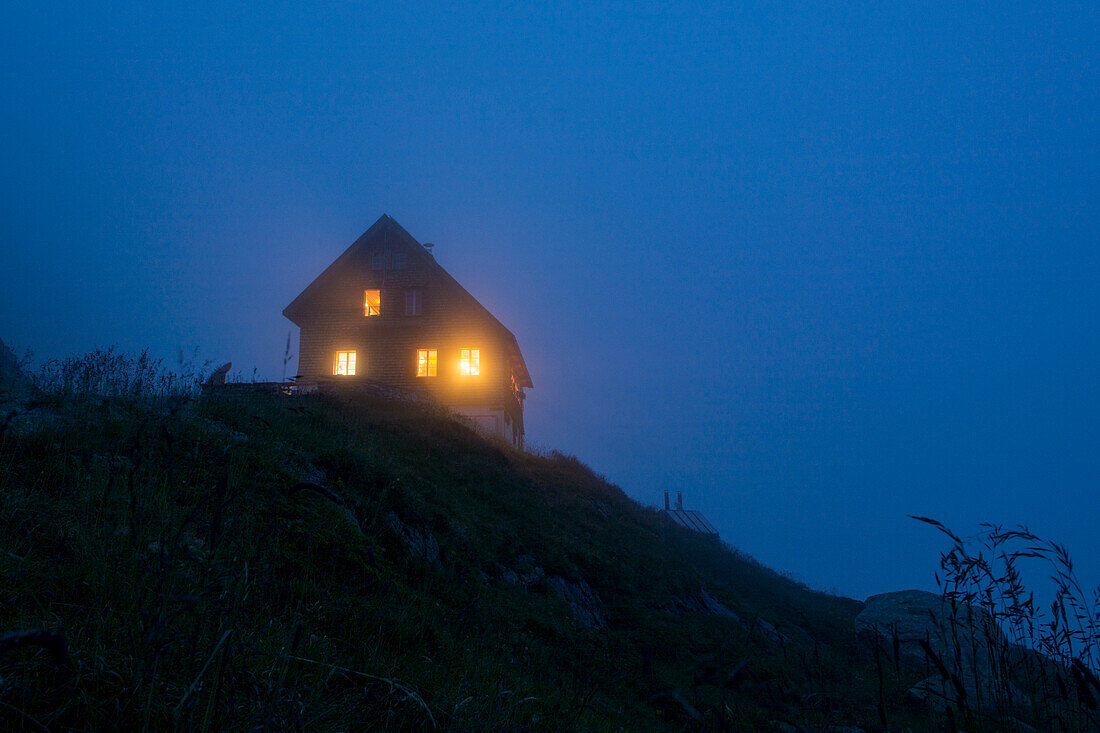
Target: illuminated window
[426,362]
[378,261]
[398,260]
[469,365]
[372,303]
[344,364]
[412,302]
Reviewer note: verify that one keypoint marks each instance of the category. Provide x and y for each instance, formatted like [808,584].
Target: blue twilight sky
[818,264]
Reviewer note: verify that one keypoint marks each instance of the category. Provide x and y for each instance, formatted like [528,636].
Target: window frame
[378,260]
[414,302]
[367,307]
[469,362]
[429,360]
[346,360]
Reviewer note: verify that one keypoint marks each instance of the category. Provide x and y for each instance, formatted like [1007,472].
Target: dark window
[378,261]
[399,260]
[412,302]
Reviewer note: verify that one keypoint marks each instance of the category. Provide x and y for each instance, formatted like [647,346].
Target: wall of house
[494,421]
[386,345]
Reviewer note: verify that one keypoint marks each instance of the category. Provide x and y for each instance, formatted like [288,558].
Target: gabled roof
[387,226]
[330,273]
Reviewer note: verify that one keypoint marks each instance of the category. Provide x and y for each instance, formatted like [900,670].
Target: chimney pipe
[679,500]
[666,500]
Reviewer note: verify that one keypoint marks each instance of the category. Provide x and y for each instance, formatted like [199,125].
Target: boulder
[908,617]
[964,642]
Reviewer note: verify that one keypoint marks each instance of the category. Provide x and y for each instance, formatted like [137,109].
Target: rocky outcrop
[769,632]
[421,545]
[581,599]
[903,620]
[714,606]
[968,689]
[705,603]
[959,642]
[523,571]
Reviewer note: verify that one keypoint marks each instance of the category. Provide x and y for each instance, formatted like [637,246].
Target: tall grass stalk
[1034,659]
[110,373]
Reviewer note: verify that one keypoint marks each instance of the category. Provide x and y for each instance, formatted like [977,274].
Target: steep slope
[358,562]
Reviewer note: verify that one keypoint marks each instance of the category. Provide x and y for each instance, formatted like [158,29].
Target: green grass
[198,586]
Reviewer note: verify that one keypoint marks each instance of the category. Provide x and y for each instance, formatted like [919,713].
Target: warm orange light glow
[372,303]
[344,364]
[469,365]
[426,360]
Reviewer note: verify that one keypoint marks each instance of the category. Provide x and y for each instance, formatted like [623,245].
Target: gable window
[469,363]
[412,302]
[398,260]
[378,261]
[344,364]
[426,362]
[372,303]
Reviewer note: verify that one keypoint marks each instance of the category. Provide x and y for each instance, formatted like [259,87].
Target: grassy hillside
[353,562]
